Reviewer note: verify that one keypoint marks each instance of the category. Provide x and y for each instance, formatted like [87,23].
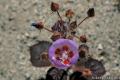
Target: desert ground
[16,34]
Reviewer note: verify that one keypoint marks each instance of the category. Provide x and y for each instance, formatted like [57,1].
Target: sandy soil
[16,34]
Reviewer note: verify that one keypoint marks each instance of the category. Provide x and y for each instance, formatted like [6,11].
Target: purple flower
[63,53]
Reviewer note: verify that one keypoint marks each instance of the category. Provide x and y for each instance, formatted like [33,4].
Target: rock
[100,47]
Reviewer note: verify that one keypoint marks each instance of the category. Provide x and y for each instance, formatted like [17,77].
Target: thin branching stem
[48,29]
[59,15]
[76,37]
[82,21]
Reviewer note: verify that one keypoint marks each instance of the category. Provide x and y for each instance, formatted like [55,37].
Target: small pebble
[100,47]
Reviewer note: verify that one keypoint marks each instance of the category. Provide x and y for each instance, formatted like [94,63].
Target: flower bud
[83,38]
[38,25]
[91,12]
[54,6]
[69,13]
[56,35]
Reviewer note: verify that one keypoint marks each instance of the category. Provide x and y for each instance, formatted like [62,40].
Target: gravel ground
[16,34]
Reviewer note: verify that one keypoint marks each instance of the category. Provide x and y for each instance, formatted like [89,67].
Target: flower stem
[59,15]
[48,29]
[82,21]
[76,37]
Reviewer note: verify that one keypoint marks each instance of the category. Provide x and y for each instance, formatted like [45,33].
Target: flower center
[64,54]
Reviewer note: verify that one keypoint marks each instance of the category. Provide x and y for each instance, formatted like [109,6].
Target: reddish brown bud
[83,50]
[83,39]
[91,12]
[41,25]
[38,25]
[56,35]
[54,6]
[69,13]
[73,25]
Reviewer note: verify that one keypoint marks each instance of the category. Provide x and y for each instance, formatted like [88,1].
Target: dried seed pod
[91,12]
[60,26]
[83,49]
[73,25]
[54,6]
[56,74]
[96,67]
[83,38]
[69,13]
[38,54]
[56,35]
[38,25]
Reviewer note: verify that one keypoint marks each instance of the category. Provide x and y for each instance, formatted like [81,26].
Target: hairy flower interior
[63,54]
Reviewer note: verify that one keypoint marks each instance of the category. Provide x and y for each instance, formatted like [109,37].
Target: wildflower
[63,53]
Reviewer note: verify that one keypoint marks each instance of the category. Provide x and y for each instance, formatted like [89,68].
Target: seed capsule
[83,38]
[56,35]
[69,13]
[38,25]
[54,6]
[73,25]
[91,12]
[83,49]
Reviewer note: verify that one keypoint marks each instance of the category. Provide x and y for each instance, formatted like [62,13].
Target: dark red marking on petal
[65,48]
[70,54]
[57,51]
[58,58]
